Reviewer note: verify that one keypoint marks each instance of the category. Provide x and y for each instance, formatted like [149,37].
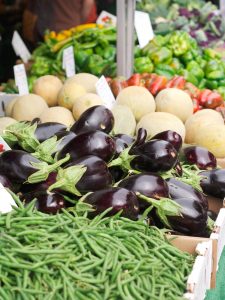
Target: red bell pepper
[210,99]
[176,82]
[155,84]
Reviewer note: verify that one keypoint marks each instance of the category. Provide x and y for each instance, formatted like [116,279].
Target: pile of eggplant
[135,176]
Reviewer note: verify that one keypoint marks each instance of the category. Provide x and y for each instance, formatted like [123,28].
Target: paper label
[6,200]
[21,79]
[104,92]
[20,48]
[3,145]
[69,62]
[143,28]
[106,19]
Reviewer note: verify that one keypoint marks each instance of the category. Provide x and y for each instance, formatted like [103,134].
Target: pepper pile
[178,53]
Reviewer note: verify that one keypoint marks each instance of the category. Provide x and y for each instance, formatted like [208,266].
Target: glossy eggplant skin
[65,137]
[94,118]
[120,146]
[16,165]
[47,130]
[150,185]
[211,214]
[201,157]
[213,182]
[6,182]
[154,156]
[193,220]
[39,187]
[94,142]
[179,189]
[97,175]
[170,136]
[117,198]
[50,203]
[125,137]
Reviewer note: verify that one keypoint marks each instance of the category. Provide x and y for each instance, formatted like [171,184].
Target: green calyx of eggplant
[67,179]
[164,207]
[123,161]
[44,169]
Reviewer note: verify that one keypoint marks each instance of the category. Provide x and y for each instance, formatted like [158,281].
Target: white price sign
[143,28]
[6,200]
[21,79]
[68,61]
[20,48]
[104,92]
[106,19]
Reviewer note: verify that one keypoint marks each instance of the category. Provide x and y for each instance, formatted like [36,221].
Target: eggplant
[179,189]
[150,185]
[65,137]
[96,176]
[40,186]
[45,131]
[213,182]
[201,157]
[120,146]
[6,182]
[50,203]
[117,173]
[117,198]
[178,169]
[94,142]
[94,118]
[211,214]
[125,137]
[16,165]
[193,220]
[170,136]
[154,156]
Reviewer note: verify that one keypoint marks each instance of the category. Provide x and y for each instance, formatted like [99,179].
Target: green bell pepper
[164,70]
[109,53]
[176,64]
[190,77]
[202,83]
[137,52]
[221,90]
[186,57]
[179,42]
[211,54]
[211,84]
[214,70]
[163,55]
[80,58]
[143,65]
[196,70]
[95,64]
[221,82]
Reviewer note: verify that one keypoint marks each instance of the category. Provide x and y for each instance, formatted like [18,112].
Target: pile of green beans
[68,256]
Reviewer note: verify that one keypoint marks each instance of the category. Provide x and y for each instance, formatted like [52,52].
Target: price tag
[6,200]
[106,19]
[21,79]
[143,28]
[20,48]
[3,145]
[104,92]
[68,61]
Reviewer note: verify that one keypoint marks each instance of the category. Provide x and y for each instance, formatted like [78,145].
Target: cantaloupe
[87,80]
[4,122]
[138,99]
[124,120]
[57,114]
[84,102]
[69,93]
[28,107]
[48,87]
[9,107]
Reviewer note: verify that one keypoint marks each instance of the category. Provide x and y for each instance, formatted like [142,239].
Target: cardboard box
[203,274]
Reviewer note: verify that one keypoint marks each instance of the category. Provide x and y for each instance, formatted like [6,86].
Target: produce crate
[202,275]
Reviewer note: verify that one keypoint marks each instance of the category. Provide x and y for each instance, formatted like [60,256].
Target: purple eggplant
[40,186]
[178,169]
[65,137]
[170,136]
[120,146]
[94,142]
[193,220]
[213,182]
[211,214]
[94,118]
[6,182]
[47,130]
[125,137]
[50,203]
[117,174]
[179,189]
[200,156]
[16,165]
[150,185]
[116,198]
[154,156]
[96,176]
